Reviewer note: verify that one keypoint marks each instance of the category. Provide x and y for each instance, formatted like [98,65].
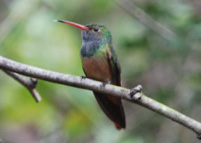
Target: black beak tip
[58,20]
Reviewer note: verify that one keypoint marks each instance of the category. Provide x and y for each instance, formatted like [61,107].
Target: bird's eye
[96,29]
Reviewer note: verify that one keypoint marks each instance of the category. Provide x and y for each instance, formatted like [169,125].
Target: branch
[145,19]
[109,89]
[30,84]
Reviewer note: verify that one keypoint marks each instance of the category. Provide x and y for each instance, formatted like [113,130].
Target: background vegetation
[169,70]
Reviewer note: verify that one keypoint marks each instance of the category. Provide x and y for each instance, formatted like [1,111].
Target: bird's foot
[199,136]
[135,92]
[105,83]
[83,77]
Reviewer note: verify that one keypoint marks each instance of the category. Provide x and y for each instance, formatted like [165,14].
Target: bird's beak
[82,27]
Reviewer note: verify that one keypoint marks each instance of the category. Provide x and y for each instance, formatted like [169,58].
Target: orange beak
[82,27]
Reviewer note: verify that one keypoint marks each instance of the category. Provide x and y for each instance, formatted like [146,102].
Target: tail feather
[112,106]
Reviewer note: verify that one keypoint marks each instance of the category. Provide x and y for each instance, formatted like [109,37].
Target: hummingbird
[99,62]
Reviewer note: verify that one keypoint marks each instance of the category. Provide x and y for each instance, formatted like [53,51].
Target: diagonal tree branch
[112,90]
[137,13]
[30,84]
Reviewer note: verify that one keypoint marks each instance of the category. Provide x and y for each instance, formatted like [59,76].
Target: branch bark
[30,84]
[109,89]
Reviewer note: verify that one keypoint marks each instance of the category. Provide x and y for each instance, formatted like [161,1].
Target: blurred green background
[169,70]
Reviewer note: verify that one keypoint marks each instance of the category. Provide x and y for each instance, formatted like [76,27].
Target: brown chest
[97,68]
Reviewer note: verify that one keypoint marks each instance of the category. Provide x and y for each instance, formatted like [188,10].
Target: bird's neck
[90,48]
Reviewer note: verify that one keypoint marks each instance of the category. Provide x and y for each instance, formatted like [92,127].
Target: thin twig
[30,84]
[109,89]
[146,20]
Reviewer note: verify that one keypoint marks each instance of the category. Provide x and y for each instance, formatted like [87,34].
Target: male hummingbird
[100,63]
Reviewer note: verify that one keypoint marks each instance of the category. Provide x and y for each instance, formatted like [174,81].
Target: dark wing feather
[114,64]
[113,110]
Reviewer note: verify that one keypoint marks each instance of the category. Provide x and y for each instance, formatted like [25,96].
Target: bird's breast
[97,68]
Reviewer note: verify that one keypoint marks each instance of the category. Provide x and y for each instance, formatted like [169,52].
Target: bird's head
[92,32]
